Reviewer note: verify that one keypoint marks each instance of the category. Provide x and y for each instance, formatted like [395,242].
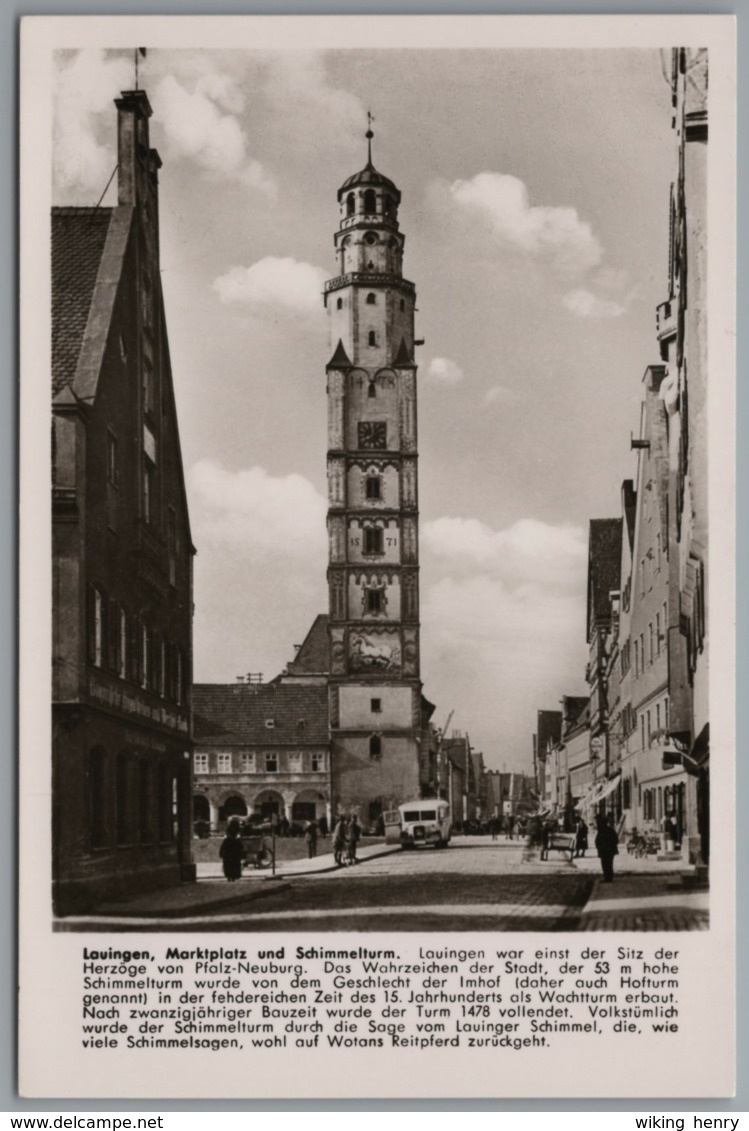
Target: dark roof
[576,712]
[368,176]
[548,730]
[240,713]
[78,238]
[314,655]
[403,359]
[604,569]
[340,359]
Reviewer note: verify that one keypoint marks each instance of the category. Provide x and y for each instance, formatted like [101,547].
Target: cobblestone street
[477,884]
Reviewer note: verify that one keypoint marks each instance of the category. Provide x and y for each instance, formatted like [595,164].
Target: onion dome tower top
[383,197]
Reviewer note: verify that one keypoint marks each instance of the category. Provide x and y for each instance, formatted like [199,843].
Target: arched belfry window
[370,202]
[371,298]
[350,204]
[375,746]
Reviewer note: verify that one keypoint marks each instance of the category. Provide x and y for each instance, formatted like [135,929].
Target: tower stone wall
[373,569]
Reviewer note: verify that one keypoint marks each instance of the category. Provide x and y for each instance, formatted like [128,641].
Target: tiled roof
[604,568]
[368,176]
[78,238]
[270,714]
[314,655]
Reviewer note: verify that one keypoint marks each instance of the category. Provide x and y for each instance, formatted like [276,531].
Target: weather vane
[369,135]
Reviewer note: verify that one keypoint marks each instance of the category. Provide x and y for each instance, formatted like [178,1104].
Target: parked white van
[425,822]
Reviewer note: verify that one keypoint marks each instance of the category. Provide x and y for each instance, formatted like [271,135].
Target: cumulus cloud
[503,616]
[555,233]
[444,370]
[84,154]
[197,128]
[196,106]
[527,553]
[256,514]
[286,283]
[300,79]
[260,568]
[585,304]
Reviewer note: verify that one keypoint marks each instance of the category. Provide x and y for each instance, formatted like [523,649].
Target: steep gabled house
[122,551]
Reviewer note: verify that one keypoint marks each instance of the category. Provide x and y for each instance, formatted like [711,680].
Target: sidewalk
[213,893]
[645,901]
[286,869]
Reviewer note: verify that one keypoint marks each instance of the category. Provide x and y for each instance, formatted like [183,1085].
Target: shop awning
[609,787]
[597,793]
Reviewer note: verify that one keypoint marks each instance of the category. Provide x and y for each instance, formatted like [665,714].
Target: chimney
[137,164]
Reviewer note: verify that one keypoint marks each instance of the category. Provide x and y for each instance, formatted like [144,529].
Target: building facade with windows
[682,336]
[122,552]
[378,715]
[656,788]
[261,749]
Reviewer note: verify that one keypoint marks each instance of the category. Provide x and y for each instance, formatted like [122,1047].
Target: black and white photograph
[383,493]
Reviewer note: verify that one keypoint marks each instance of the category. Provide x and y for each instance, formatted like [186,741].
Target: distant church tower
[376,706]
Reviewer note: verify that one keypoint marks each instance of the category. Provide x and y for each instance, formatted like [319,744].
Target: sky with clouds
[535,205]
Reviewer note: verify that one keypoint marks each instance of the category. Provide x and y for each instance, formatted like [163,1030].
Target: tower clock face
[372,434]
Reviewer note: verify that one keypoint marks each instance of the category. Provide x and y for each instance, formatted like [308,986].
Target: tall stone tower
[376,706]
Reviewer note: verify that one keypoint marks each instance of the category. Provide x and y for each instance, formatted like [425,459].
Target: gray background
[10,15]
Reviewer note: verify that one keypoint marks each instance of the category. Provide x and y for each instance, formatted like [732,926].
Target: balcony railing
[368,278]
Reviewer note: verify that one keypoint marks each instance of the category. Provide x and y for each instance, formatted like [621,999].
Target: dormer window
[270,724]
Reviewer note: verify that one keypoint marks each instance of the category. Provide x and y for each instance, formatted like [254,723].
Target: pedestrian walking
[581,838]
[352,838]
[607,847]
[545,838]
[232,852]
[310,835]
[339,839]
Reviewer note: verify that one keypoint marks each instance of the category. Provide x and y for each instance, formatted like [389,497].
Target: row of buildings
[637,745]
